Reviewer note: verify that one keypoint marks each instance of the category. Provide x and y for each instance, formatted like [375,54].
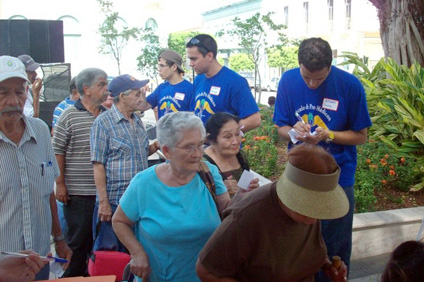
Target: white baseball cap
[11,67]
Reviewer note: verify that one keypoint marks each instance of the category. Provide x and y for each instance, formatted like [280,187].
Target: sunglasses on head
[196,42]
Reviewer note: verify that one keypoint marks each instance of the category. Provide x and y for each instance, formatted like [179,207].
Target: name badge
[179,96]
[330,104]
[215,90]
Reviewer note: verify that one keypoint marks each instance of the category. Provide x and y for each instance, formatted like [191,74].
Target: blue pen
[49,258]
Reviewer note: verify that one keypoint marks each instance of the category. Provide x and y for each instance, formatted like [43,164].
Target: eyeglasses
[196,42]
[190,149]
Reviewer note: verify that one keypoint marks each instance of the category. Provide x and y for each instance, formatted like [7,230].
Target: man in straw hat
[273,234]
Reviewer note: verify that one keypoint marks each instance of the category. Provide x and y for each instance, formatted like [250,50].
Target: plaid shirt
[121,147]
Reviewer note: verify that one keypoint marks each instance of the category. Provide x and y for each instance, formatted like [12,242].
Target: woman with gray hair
[173,211]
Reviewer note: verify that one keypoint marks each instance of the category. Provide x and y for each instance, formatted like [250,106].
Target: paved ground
[368,269]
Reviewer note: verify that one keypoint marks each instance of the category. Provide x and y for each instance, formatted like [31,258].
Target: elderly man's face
[98,91]
[13,94]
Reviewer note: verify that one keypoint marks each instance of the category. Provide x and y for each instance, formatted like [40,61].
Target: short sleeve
[152,99]
[99,142]
[219,183]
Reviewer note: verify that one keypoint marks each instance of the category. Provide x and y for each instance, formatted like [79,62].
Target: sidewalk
[368,269]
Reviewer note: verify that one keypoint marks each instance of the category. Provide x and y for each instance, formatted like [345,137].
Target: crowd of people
[185,219]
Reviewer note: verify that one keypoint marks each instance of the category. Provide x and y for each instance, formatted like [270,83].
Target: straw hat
[314,195]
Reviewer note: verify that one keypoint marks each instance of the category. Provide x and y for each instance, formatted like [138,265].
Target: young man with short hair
[217,88]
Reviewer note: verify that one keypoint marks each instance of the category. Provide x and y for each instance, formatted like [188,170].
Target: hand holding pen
[44,258]
[302,128]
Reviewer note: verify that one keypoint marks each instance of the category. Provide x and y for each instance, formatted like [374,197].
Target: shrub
[379,167]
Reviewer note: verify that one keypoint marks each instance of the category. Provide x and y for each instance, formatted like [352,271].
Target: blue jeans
[103,235]
[337,235]
[79,214]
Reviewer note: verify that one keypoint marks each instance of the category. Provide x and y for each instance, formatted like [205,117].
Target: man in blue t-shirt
[321,104]
[217,88]
[175,93]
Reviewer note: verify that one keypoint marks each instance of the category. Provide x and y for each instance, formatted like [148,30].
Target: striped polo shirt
[28,171]
[72,138]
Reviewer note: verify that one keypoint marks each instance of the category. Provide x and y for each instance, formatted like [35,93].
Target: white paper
[56,269]
[245,179]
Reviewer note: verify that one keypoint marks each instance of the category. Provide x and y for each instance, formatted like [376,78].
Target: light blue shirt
[60,108]
[172,223]
[121,147]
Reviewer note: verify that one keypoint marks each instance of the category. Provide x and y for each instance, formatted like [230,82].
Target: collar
[28,134]
[80,107]
[117,116]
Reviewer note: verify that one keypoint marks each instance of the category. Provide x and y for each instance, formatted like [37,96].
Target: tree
[284,58]
[402,29]
[114,36]
[241,62]
[253,36]
[147,61]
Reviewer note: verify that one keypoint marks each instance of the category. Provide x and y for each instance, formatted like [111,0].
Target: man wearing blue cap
[119,150]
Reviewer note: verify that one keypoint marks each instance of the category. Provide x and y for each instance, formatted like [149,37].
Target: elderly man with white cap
[32,104]
[274,233]
[29,168]
[119,150]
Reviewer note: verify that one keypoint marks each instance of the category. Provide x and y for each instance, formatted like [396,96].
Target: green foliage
[240,62]
[261,146]
[177,42]
[114,36]
[284,58]
[379,167]
[253,34]
[396,104]
[147,61]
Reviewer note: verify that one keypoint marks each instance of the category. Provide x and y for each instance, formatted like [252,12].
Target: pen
[299,117]
[42,169]
[49,258]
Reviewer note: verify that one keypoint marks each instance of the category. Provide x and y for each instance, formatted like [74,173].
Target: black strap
[206,175]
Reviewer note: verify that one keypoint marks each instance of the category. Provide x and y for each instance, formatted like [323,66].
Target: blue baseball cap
[123,83]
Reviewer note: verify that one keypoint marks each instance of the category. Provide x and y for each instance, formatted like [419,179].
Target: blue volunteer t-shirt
[338,104]
[226,91]
[171,98]
[172,223]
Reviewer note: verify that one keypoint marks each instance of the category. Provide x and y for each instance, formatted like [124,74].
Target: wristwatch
[59,238]
[330,138]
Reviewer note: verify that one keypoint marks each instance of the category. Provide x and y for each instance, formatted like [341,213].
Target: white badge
[330,104]
[215,90]
[179,96]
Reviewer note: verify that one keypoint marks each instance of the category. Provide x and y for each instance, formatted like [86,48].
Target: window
[348,4]
[17,17]
[330,5]
[306,14]
[72,40]
[286,16]
[151,24]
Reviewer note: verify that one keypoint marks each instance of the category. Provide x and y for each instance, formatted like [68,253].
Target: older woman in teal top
[173,212]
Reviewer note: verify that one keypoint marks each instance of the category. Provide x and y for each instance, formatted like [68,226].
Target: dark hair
[216,122]
[406,263]
[271,100]
[73,84]
[315,54]
[204,43]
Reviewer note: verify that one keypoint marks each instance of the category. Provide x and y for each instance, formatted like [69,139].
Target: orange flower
[392,167]
[243,139]
[384,182]
[392,172]
[386,156]
[256,138]
[373,166]
[383,162]
[368,161]
[402,160]
[247,147]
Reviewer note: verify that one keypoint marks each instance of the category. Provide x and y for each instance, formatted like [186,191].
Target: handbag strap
[206,175]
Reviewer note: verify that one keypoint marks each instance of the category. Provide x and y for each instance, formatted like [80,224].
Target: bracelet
[61,237]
